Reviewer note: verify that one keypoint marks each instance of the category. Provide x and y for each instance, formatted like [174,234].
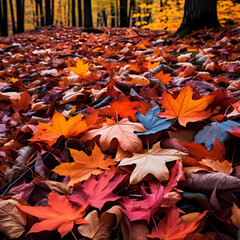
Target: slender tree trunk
[41,12]
[104,18]
[112,15]
[37,13]
[87,13]
[199,14]
[131,8]
[20,15]
[79,13]
[4,19]
[1,19]
[12,16]
[123,13]
[73,13]
[52,13]
[48,13]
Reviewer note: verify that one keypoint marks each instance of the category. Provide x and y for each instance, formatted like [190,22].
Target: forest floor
[124,134]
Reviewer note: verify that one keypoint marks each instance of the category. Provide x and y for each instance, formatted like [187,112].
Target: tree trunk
[79,13]
[20,15]
[104,18]
[87,13]
[52,13]
[41,12]
[199,14]
[123,13]
[12,16]
[4,19]
[73,13]
[112,14]
[48,13]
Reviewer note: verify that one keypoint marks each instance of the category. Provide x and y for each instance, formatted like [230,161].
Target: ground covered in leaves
[124,134]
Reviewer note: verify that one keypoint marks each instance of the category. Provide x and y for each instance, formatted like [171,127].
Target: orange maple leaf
[62,127]
[171,226]
[122,131]
[84,165]
[164,78]
[60,214]
[125,108]
[81,69]
[184,108]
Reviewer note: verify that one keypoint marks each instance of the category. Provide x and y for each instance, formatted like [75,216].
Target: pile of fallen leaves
[124,134]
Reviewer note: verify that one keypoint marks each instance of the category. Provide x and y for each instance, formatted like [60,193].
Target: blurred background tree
[22,15]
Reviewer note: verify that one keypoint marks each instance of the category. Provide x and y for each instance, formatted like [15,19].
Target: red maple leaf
[144,209]
[97,192]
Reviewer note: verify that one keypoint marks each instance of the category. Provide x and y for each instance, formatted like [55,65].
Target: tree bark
[13,18]
[48,13]
[199,14]
[87,13]
[123,13]
[20,15]
[73,13]
[4,20]
[79,13]
[112,14]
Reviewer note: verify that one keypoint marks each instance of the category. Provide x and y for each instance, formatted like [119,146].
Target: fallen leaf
[122,131]
[22,103]
[144,209]
[97,192]
[209,181]
[81,69]
[172,228]
[152,161]
[12,220]
[138,79]
[215,131]
[84,165]
[235,218]
[151,122]
[62,127]
[184,108]
[199,152]
[59,215]
[235,131]
[100,228]
[164,78]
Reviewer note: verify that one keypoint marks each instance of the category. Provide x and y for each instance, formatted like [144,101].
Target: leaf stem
[156,228]
[73,235]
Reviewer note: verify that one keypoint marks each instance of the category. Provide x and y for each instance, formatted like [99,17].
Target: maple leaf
[152,123]
[172,228]
[62,127]
[137,79]
[144,209]
[213,131]
[60,214]
[199,152]
[22,103]
[164,78]
[125,108]
[84,165]
[80,69]
[184,108]
[152,161]
[97,193]
[122,131]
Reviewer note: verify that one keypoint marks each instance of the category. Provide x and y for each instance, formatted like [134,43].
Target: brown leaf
[136,230]
[99,228]
[207,182]
[12,220]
